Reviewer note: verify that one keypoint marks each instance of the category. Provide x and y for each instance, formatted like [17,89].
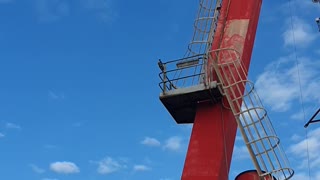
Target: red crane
[209,88]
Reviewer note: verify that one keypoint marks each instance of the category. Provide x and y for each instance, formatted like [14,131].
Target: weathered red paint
[214,130]
[212,136]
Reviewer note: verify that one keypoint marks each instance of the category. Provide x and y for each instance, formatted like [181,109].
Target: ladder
[204,27]
[252,118]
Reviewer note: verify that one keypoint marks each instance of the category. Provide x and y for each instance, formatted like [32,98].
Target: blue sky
[79,87]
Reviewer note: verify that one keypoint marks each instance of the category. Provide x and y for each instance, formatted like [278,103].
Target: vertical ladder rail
[253,122]
[205,25]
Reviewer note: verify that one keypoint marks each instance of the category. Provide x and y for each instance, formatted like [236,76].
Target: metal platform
[183,87]
[181,103]
[184,81]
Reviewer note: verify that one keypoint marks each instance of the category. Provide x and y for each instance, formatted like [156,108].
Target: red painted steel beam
[211,144]
[214,130]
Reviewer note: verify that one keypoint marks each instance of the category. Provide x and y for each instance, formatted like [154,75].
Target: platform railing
[181,73]
[253,121]
[178,73]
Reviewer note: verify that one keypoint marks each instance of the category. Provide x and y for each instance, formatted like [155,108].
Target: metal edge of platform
[191,89]
[181,103]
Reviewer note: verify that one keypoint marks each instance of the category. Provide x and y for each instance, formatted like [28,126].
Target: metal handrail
[169,69]
[176,79]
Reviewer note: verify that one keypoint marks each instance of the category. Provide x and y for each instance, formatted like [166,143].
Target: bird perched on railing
[318,21]
[161,66]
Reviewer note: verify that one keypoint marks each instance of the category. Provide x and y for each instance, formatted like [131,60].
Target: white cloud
[308,111]
[298,33]
[307,148]
[37,169]
[297,115]
[108,166]
[240,152]
[150,142]
[296,137]
[305,176]
[276,89]
[141,168]
[300,148]
[278,85]
[12,126]
[239,138]
[173,144]
[64,167]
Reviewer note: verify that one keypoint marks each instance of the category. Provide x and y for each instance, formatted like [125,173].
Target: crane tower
[209,88]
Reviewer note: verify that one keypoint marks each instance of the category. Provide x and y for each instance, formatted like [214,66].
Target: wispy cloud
[150,142]
[2,135]
[64,167]
[307,148]
[317,51]
[301,175]
[296,137]
[298,33]
[294,6]
[141,168]
[278,85]
[79,124]
[51,10]
[240,152]
[5,1]
[49,179]
[166,179]
[103,9]
[173,143]
[37,169]
[108,165]
[50,146]
[55,96]
[239,138]
[12,126]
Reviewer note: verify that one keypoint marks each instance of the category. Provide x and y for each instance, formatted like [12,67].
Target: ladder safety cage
[253,122]
[204,27]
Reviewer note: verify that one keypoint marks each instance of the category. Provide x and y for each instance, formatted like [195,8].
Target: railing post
[164,78]
[163,68]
